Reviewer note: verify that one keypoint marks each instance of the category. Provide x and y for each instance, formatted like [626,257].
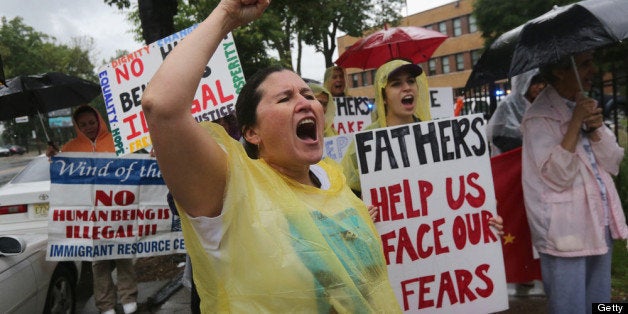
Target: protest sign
[336,146]
[123,81]
[353,114]
[441,102]
[106,207]
[433,186]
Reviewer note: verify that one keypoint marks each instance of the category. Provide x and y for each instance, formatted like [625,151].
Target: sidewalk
[178,301]
[165,296]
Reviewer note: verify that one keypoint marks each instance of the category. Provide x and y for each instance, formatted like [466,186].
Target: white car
[29,283]
[24,199]
[4,151]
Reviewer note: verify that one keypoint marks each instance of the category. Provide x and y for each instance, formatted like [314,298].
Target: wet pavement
[172,297]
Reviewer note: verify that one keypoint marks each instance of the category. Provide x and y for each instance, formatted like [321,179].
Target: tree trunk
[157,18]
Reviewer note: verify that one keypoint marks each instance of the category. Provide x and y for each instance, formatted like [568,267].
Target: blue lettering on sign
[107,171]
[58,250]
[106,93]
[145,247]
[176,36]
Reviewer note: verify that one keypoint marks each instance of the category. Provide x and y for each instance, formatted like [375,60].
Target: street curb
[166,291]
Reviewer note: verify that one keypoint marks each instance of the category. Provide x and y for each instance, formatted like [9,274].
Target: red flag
[516,244]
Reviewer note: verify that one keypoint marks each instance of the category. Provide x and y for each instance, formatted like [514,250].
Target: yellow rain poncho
[285,247]
[329,72]
[421,112]
[330,112]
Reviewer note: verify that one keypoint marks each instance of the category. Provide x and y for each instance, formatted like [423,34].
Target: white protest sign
[124,80]
[106,207]
[441,102]
[353,114]
[433,185]
[336,146]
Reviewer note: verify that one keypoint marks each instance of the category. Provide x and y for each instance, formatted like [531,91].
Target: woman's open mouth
[306,129]
[408,100]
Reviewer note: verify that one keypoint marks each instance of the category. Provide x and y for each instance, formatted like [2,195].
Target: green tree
[320,21]
[315,23]
[26,51]
[495,17]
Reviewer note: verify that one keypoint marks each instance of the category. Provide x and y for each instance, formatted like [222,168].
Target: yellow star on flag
[509,238]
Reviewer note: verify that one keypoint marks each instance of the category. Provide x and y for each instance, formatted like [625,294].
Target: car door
[18,285]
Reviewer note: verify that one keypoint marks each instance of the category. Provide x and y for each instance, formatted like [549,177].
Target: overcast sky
[65,19]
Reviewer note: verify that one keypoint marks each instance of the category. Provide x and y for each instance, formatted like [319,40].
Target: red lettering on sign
[388,199]
[121,198]
[131,120]
[207,95]
[456,202]
[137,68]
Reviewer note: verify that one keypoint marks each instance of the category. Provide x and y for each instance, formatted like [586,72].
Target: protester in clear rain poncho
[407,102]
[335,81]
[276,231]
[503,128]
[329,107]
[573,207]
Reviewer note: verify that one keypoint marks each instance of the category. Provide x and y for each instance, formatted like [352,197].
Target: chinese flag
[516,244]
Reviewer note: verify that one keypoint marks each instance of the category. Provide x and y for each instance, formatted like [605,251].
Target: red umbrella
[413,43]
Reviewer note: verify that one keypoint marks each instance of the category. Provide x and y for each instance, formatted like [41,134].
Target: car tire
[61,296]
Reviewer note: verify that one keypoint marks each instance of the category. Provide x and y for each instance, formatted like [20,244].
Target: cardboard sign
[433,185]
[353,114]
[123,81]
[106,207]
[441,102]
[336,146]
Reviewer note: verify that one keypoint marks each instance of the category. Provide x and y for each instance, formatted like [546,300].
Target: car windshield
[37,170]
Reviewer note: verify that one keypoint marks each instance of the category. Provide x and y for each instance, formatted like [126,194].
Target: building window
[373,76]
[442,27]
[459,62]
[475,56]
[431,65]
[444,63]
[365,81]
[473,26]
[457,27]
[354,80]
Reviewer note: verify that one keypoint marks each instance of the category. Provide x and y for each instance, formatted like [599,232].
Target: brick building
[451,63]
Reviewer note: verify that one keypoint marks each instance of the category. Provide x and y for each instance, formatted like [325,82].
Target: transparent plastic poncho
[421,112]
[287,247]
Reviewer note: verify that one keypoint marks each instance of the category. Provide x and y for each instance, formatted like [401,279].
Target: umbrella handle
[575,71]
[585,128]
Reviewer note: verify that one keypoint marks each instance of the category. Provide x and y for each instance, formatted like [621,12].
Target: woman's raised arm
[193,165]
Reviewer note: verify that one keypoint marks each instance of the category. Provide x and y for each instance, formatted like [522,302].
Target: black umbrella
[494,63]
[561,32]
[27,95]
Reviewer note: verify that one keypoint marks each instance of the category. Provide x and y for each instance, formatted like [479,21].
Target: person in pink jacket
[573,207]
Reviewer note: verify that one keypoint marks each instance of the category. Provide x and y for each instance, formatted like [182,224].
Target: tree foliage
[322,20]
[495,17]
[285,22]
[26,51]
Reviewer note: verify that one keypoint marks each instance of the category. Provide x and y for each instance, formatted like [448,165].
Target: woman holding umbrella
[572,204]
